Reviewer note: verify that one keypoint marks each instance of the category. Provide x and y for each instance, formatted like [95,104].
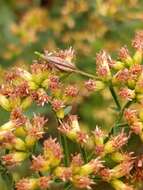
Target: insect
[61,60]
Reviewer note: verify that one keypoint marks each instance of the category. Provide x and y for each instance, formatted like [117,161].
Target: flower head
[26,184]
[44,182]
[137,42]
[76,160]
[39,121]
[53,82]
[82,137]
[57,104]
[17,117]
[53,151]
[122,76]
[71,91]
[40,97]
[122,169]
[82,182]
[116,142]
[90,85]
[126,94]
[37,67]
[39,163]
[105,174]
[104,62]
[124,53]
[131,115]
[13,159]
[64,173]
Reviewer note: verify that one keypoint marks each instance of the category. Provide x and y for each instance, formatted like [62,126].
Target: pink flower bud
[40,97]
[71,91]
[91,167]
[116,142]
[26,184]
[15,158]
[39,163]
[125,56]
[126,94]
[122,169]
[63,173]
[103,62]
[130,115]
[53,151]
[44,182]
[82,182]
[17,117]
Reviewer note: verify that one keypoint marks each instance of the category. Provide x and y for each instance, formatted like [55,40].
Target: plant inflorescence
[102,156]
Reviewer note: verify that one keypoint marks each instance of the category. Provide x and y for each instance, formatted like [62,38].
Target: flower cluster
[27,140]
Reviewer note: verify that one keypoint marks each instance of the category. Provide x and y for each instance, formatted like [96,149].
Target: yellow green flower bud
[118,65]
[20,132]
[7,126]
[5,103]
[138,57]
[19,144]
[30,141]
[26,103]
[119,185]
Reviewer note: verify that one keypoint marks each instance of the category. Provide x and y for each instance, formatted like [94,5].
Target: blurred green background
[86,25]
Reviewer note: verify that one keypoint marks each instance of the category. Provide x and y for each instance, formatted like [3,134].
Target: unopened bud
[119,185]
[138,57]
[19,144]
[15,158]
[118,65]
[125,56]
[27,184]
[64,173]
[92,167]
[26,103]
[5,103]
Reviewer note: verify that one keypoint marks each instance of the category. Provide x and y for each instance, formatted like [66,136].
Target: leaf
[67,110]
[3,183]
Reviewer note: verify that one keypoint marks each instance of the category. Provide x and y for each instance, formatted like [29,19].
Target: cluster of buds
[24,139]
[135,122]
[72,130]
[34,183]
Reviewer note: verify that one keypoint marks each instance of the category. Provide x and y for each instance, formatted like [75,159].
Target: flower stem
[68,186]
[117,124]
[83,153]
[63,140]
[65,149]
[113,93]
[85,74]
[122,124]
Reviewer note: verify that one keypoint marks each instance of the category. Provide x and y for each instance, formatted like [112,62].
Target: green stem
[122,124]
[118,125]
[65,149]
[63,140]
[85,74]
[83,153]
[113,93]
[122,111]
[68,187]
